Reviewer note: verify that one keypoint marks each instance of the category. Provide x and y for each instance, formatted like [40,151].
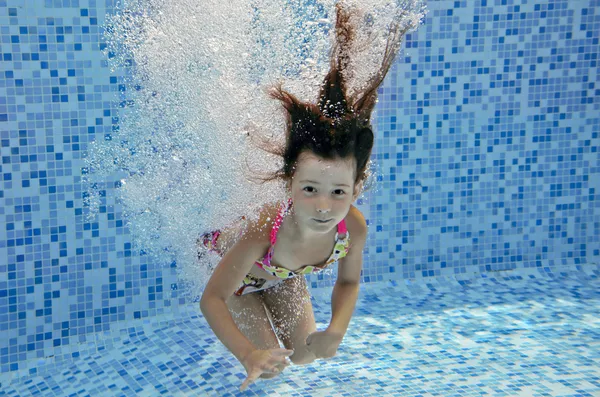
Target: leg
[293,317]
[250,316]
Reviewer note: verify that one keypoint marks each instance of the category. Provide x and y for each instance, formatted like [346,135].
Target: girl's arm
[345,290]
[227,277]
[324,344]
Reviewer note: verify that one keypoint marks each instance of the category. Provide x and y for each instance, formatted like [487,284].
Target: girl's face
[322,190]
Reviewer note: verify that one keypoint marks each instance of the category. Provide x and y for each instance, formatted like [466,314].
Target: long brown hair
[338,126]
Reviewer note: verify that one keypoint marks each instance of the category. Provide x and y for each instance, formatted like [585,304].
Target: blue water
[481,265]
[535,334]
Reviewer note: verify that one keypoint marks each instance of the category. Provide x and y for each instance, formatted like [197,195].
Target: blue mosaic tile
[502,335]
[487,142]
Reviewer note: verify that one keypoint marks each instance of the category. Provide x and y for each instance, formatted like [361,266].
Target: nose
[323,206]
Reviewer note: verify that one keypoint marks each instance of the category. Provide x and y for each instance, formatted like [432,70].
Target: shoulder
[241,256]
[258,228]
[356,223]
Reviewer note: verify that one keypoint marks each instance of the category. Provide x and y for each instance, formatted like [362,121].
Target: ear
[357,189]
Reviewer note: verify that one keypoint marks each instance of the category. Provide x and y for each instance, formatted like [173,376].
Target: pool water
[525,333]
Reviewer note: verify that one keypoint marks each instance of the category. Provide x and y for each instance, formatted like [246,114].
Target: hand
[258,362]
[324,344]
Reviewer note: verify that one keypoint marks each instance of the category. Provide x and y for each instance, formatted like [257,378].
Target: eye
[337,192]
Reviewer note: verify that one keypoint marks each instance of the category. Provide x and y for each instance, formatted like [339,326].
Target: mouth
[320,221]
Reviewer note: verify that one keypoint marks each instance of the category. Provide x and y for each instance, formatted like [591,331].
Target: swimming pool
[480,272]
[528,334]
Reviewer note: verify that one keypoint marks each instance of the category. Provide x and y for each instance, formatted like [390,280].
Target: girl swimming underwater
[257,295]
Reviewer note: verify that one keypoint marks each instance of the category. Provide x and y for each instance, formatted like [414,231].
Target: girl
[257,296]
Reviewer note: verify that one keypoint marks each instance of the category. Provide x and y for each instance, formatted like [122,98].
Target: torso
[291,254]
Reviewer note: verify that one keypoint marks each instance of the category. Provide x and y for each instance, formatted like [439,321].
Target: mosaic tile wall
[487,142]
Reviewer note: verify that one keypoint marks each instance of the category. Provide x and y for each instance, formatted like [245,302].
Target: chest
[292,255]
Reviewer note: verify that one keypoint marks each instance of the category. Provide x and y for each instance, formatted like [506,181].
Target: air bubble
[196,75]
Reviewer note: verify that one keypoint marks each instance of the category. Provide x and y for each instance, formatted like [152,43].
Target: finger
[269,369]
[274,363]
[282,352]
[282,361]
[280,358]
[251,378]
[280,364]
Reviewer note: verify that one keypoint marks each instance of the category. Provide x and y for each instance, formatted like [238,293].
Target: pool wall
[486,142]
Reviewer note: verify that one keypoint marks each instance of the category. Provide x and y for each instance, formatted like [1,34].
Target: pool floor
[505,334]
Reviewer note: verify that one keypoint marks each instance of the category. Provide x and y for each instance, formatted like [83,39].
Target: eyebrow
[317,183]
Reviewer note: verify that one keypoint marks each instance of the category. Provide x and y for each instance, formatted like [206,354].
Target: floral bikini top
[340,250]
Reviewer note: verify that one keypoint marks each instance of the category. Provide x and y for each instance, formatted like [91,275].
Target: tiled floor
[528,335]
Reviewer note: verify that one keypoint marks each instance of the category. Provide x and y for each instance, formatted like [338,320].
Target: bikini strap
[342,227]
[279,220]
